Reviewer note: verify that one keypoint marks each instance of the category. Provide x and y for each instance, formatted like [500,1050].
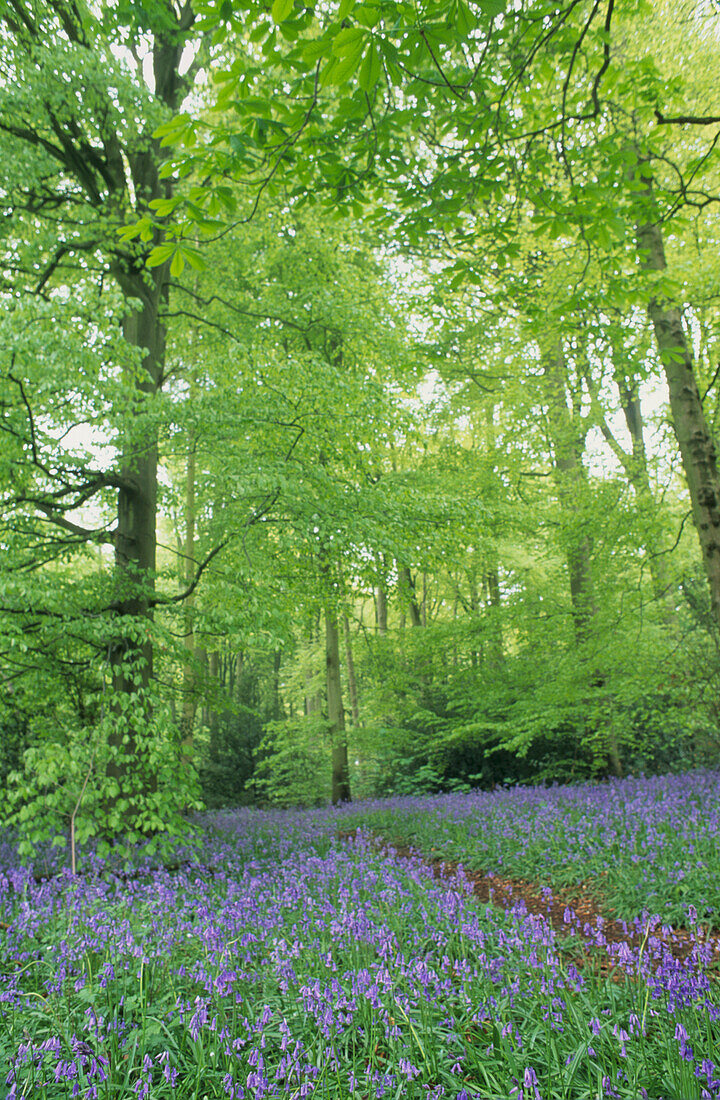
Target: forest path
[595,938]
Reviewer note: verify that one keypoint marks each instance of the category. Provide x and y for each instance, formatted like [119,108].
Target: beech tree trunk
[131,654]
[340,790]
[407,584]
[352,682]
[568,441]
[635,465]
[639,478]
[697,449]
[568,434]
[189,704]
[313,696]
[492,584]
[214,676]
[381,609]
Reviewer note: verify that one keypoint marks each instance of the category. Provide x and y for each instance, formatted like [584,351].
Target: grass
[283,962]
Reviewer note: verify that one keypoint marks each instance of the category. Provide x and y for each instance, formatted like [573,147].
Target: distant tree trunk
[568,436]
[214,676]
[238,686]
[494,603]
[352,683]
[613,753]
[407,586]
[568,441]
[277,705]
[202,656]
[635,465]
[313,697]
[475,655]
[336,714]
[189,700]
[697,449]
[381,609]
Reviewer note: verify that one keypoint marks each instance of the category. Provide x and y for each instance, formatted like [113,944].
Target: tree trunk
[313,696]
[407,585]
[639,478]
[214,678]
[475,654]
[238,686]
[336,714]
[277,705]
[189,701]
[568,441]
[494,604]
[697,449]
[381,609]
[635,466]
[352,682]
[131,654]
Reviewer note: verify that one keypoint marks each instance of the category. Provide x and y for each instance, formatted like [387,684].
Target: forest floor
[576,913]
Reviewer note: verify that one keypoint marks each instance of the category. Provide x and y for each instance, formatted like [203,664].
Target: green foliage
[227,747]
[291,766]
[121,777]
[441,399]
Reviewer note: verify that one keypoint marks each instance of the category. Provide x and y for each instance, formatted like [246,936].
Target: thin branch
[711,383]
[63,250]
[164,601]
[687,120]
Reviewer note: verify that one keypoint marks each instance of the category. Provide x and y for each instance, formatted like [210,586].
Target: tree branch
[164,601]
[98,535]
[687,120]
[63,250]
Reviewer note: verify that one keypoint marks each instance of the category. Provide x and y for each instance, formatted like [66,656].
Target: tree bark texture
[494,605]
[352,682]
[336,716]
[407,586]
[189,703]
[131,656]
[568,443]
[697,449]
[381,609]
[639,478]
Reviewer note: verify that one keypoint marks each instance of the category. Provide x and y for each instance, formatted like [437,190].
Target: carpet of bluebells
[639,843]
[276,960]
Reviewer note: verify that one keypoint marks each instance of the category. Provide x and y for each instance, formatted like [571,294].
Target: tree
[76,121]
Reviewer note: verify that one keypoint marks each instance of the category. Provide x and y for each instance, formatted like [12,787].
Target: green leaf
[344,9]
[177,264]
[163,207]
[315,49]
[194,258]
[368,15]
[340,69]
[493,7]
[370,69]
[258,32]
[347,41]
[160,254]
[281,9]
[129,232]
[465,19]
